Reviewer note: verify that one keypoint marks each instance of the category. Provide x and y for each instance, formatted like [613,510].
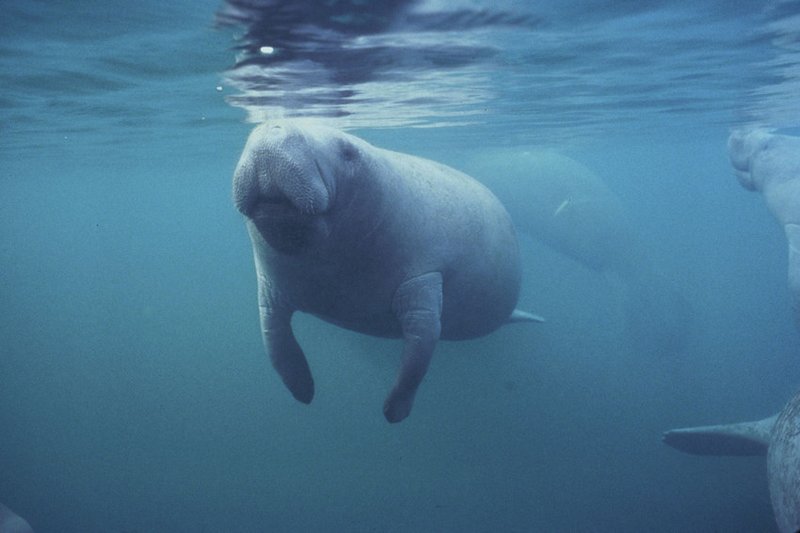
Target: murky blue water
[134,391]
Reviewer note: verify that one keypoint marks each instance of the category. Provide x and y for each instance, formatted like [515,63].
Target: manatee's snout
[282,188]
[278,168]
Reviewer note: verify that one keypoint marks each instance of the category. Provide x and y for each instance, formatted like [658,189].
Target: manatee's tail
[523,316]
[746,438]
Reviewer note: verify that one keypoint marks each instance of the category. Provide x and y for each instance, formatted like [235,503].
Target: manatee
[777,437]
[567,206]
[770,164]
[10,522]
[374,241]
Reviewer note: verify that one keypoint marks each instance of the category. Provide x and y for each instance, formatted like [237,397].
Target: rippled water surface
[543,71]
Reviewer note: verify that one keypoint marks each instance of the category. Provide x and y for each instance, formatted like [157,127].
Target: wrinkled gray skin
[770,164]
[778,437]
[11,522]
[374,241]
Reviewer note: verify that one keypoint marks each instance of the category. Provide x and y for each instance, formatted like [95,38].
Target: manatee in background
[777,437]
[562,203]
[374,241]
[770,164]
[11,522]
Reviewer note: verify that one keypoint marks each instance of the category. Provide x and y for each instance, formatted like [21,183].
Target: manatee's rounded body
[374,241]
[396,217]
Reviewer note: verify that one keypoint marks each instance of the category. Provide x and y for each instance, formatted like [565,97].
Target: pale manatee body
[770,164]
[777,437]
[564,204]
[567,206]
[374,241]
[10,522]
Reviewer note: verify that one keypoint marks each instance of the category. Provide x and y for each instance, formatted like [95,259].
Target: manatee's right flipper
[418,306]
[746,438]
[276,329]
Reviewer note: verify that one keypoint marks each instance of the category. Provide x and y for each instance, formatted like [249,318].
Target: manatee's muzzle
[284,227]
[283,189]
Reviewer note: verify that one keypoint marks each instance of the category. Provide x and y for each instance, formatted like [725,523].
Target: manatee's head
[285,184]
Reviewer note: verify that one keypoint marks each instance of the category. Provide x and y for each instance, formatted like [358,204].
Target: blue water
[134,391]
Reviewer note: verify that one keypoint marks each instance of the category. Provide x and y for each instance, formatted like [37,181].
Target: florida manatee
[770,164]
[567,206]
[777,437]
[374,241]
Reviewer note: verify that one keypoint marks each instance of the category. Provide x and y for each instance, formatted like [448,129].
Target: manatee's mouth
[285,228]
[272,207]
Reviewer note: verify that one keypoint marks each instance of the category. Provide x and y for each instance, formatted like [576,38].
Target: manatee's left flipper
[285,354]
[744,438]
[523,316]
[418,306]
